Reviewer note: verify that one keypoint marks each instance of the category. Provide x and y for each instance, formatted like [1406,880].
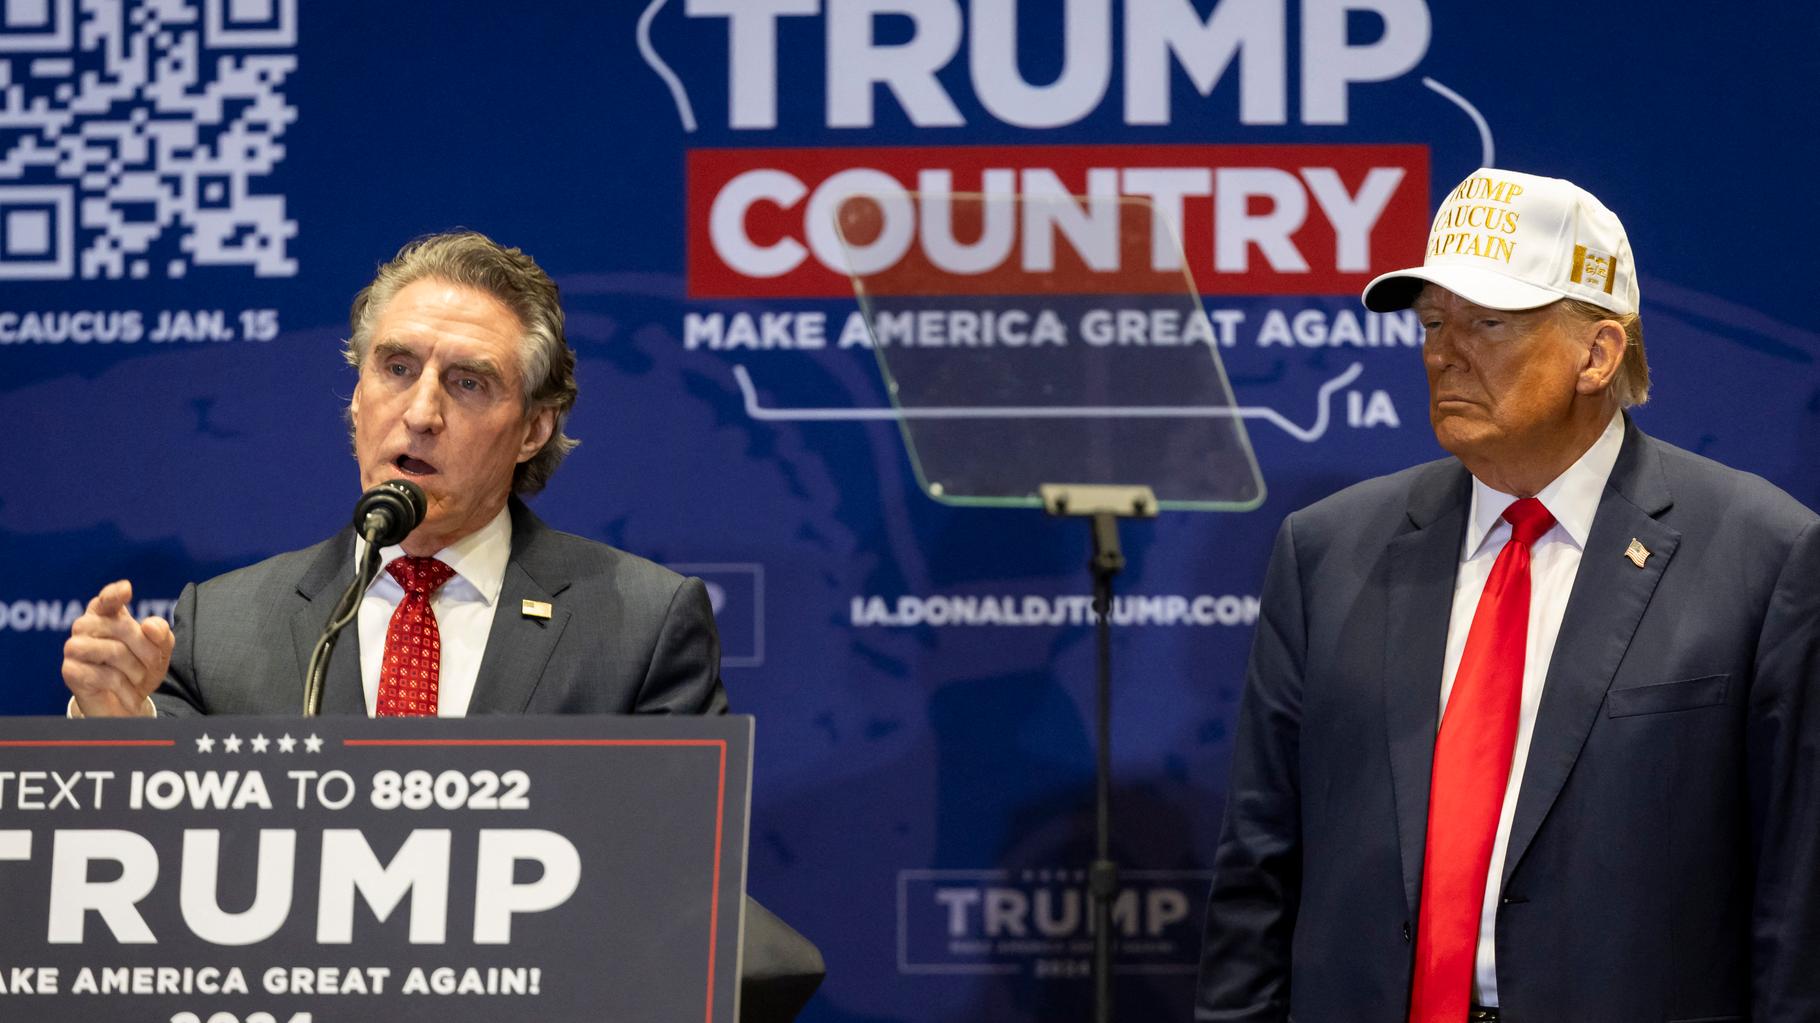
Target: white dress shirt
[464,608]
[1573,499]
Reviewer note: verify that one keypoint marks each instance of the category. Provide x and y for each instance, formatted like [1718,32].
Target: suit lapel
[320,587]
[1609,596]
[519,645]
[1421,565]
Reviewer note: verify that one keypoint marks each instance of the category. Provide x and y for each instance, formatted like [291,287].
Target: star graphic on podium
[286,744]
[205,744]
[313,744]
[231,744]
[259,743]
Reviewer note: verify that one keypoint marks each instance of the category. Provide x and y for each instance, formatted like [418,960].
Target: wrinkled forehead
[436,317]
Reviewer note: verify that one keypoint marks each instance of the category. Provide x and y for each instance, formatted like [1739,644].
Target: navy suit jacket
[625,635]
[1664,860]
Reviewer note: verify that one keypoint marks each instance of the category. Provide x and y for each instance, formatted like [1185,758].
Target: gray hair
[1630,387]
[472,260]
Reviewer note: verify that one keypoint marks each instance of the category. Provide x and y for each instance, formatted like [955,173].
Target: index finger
[113,597]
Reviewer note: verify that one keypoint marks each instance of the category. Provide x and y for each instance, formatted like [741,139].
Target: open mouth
[413,466]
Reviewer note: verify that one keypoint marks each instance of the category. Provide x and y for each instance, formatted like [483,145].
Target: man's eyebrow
[477,367]
[385,349]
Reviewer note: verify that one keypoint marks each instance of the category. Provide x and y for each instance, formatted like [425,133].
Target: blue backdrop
[192,190]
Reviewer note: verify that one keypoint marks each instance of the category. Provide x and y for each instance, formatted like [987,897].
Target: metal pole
[1104,505]
[1103,876]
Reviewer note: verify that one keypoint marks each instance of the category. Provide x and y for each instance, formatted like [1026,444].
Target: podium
[320,870]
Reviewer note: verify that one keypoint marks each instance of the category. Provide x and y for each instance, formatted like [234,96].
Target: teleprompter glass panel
[1028,340]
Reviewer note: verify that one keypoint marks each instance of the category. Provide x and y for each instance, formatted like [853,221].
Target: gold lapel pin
[1636,552]
[541,609]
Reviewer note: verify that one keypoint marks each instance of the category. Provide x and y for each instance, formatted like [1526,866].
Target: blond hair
[1630,387]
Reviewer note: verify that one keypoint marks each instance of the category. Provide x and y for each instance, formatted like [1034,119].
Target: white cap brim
[1489,288]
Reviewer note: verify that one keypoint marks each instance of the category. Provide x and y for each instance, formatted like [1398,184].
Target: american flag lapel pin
[1636,552]
[535,609]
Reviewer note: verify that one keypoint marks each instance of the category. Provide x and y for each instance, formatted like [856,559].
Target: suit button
[1405,930]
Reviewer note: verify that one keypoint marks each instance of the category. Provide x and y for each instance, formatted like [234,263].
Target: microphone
[383,516]
[387,513]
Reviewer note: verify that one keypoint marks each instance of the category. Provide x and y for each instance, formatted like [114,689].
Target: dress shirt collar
[479,559]
[1572,497]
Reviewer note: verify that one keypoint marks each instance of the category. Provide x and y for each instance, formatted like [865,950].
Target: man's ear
[1605,344]
[537,433]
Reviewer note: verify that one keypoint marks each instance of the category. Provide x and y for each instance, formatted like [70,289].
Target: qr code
[136,137]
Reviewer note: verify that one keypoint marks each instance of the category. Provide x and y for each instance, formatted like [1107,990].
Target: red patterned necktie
[408,677]
[1471,768]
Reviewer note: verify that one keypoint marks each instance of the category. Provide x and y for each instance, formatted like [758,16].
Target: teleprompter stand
[1102,506]
[1100,389]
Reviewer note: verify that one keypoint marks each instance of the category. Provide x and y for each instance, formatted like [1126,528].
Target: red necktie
[409,674]
[1472,766]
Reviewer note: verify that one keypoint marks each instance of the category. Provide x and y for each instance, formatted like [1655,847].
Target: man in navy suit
[1530,733]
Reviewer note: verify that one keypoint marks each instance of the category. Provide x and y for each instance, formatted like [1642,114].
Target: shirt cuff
[74,712]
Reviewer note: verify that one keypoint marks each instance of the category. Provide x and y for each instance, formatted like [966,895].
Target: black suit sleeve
[1784,773]
[684,672]
[1251,911]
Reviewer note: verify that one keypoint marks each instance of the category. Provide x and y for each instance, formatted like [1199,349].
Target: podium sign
[289,870]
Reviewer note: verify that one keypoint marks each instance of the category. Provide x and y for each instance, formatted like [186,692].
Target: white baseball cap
[1506,240]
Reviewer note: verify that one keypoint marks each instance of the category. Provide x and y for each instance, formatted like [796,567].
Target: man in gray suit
[465,382]
[1530,733]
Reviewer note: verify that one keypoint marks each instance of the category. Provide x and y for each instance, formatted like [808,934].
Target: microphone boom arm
[345,610]
[385,515]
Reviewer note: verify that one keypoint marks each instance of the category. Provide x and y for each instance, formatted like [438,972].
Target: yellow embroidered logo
[1593,269]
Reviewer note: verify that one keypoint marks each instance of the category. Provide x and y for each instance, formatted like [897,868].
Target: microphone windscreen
[387,513]
[414,495]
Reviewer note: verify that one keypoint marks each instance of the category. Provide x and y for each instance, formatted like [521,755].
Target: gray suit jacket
[1664,859]
[625,635]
